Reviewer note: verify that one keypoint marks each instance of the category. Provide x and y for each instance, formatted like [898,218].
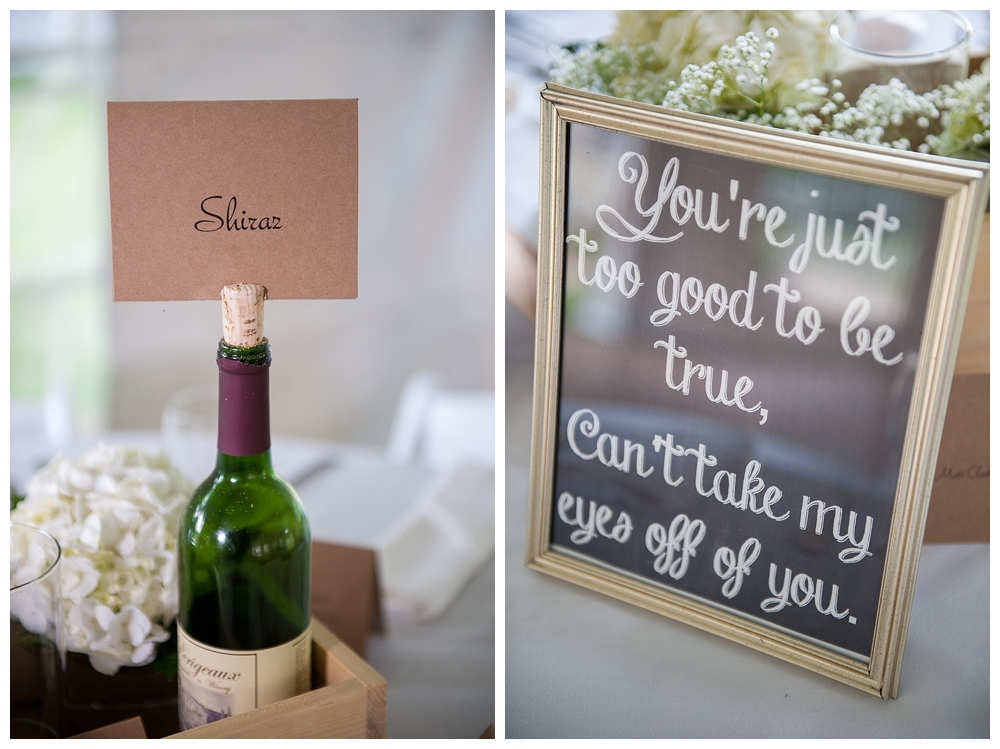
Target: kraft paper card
[345,593]
[960,500]
[209,193]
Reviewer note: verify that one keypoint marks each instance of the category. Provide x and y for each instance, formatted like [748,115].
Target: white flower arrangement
[676,59]
[115,513]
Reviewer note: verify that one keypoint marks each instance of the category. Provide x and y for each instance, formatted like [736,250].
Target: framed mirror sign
[744,346]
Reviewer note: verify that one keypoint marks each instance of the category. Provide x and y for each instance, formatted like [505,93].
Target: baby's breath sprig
[889,115]
[626,71]
[735,84]
[965,118]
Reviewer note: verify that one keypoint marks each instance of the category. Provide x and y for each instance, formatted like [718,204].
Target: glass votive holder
[921,48]
[36,630]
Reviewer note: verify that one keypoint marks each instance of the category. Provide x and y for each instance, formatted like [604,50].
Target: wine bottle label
[217,683]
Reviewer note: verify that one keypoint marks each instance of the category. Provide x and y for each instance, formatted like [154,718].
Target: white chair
[436,546]
[439,428]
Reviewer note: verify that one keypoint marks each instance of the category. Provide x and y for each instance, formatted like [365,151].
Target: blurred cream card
[208,193]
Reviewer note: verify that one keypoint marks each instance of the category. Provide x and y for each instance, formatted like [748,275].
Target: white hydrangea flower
[698,36]
[115,512]
[31,608]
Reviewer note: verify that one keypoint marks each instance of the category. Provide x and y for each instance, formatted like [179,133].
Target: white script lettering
[724,484]
[855,314]
[716,300]
[685,203]
[733,568]
[674,548]
[606,272]
[716,394]
[592,520]
[801,590]
[860,546]
[605,448]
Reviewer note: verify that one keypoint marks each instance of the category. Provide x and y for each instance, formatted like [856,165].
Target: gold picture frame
[605,320]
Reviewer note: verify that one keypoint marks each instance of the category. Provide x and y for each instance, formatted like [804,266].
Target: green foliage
[165,662]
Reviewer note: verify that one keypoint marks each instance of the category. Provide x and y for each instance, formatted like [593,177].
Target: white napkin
[435,548]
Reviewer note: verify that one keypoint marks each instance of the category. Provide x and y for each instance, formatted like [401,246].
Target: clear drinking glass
[922,48]
[37,650]
[188,428]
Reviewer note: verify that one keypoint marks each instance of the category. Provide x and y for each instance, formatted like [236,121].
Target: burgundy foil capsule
[244,408]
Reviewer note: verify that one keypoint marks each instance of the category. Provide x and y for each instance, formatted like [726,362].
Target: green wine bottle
[243,547]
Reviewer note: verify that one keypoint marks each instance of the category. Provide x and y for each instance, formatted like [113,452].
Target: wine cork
[243,314]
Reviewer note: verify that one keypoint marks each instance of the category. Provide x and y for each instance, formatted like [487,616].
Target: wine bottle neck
[244,406]
[244,464]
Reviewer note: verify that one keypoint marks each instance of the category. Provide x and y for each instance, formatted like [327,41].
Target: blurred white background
[81,364]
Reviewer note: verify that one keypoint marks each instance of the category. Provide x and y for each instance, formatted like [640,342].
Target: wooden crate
[348,700]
